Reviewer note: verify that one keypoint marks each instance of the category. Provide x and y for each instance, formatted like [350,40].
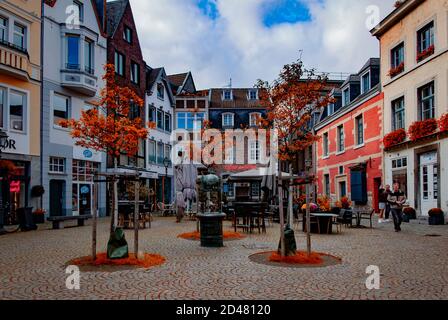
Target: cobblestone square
[413,265]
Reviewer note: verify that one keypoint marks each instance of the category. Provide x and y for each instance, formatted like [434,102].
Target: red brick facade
[369,153]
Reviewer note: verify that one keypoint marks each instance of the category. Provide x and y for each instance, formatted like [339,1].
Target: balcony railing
[72,66]
[74,78]
[14,60]
[89,70]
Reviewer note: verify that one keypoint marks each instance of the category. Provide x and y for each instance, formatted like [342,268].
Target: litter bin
[26,219]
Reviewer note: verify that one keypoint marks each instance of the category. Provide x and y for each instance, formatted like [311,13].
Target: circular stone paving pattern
[263,258]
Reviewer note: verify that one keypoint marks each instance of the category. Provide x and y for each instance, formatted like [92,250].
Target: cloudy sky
[250,39]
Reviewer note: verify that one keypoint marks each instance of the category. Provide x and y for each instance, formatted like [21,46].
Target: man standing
[397,199]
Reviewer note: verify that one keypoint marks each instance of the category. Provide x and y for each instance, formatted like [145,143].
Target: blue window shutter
[358,183]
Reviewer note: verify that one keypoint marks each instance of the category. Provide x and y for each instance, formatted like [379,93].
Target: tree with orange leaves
[291,101]
[110,127]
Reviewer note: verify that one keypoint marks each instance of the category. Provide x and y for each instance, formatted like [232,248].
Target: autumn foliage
[146,261]
[109,126]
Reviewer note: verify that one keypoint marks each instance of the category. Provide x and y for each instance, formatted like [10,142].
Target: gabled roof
[178,81]
[352,78]
[371,62]
[115,11]
[240,99]
[158,75]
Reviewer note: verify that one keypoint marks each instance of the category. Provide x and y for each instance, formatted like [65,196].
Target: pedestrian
[387,210]
[396,200]
[382,197]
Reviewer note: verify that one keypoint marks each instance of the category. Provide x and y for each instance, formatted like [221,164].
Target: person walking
[387,209]
[382,199]
[397,199]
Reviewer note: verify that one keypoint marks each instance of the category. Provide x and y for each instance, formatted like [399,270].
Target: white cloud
[177,35]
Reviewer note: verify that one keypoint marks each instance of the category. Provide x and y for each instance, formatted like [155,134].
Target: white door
[429,182]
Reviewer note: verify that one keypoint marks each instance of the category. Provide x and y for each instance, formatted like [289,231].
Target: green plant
[37,191]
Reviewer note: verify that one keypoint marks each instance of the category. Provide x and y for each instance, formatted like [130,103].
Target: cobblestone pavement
[413,265]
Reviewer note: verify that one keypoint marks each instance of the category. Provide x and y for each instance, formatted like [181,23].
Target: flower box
[396,71]
[422,129]
[443,123]
[425,53]
[394,138]
[436,217]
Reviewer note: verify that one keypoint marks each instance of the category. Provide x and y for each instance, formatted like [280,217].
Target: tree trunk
[290,204]
[94,216]
[115,201]
[308,220]
[136,220]
[280,211]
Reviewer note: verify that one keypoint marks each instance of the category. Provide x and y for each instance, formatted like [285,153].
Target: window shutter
[358,183]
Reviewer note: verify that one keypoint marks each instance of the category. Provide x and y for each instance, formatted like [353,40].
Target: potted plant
[409,213]
[344,203]
[420,129]
[324,203]
[39,216]
[397,70]
[436,217]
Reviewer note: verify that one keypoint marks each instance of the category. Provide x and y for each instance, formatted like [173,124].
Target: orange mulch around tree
[301,257]
[149,260]
[228,235]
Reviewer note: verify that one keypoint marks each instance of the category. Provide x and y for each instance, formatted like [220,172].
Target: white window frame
[56,162]
[344,102]
[80,6]
[325,145]
[227,114]
[154,143]
[251,122]
[252,91]
[23,35]
[5,28]
[362,81]
[224,95]
[24,110]
[338,139]
[357,144]
[68,99]
[254,152]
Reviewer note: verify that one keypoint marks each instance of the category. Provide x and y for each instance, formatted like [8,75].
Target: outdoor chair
[167,209]
[368,216]
[345,218]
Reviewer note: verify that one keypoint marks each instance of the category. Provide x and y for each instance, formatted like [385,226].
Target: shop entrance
[56,197]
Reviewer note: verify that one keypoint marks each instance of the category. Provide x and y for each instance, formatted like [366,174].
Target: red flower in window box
[397,70]
[443,123]
[425,53]
[422,129]
[394,138]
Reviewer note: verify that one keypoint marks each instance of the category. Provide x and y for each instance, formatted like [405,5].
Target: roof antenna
[230,83]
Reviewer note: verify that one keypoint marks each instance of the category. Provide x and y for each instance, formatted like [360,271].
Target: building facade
[414,77]
[160,111]
[349,153]
[75,51]
[20,94]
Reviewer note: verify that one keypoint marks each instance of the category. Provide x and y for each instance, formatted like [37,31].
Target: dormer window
[253,95]
[227,95]
[254,118]
[160,91]
[228,120]
[346,97]
[365,82]
[330,109]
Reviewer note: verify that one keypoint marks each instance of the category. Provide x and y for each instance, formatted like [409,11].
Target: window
[255,189]
[152,151]
[327,185]
[254,118]
[160,153]
[84,170]
[160,91]
[399,163]
[365,82]
[230,189]
[135,73]
[134,111]
[398,119]
[57,165]
[227,95]
[254,153]
[342,189]
[72,52]
[359,123]
[19,36]
[227,120]
[397,55]
[119,63]
[253,95]
[88,56]
[325,145]
[167,122]
[3,29]
[346,97]
[341,139]
[127,34]
[426,102]
[189,120]
[16,110]
[80,7]
[60,108]
[167,151]
[2,105]
[152,114]
[425,38]
[341,170]
[160,119]
[230,155]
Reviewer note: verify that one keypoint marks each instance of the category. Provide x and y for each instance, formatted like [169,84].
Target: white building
[160,110]
[74,57]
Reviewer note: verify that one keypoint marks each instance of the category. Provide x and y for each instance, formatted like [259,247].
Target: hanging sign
[14,187]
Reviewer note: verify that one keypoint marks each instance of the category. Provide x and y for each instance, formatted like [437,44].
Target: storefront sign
[10,144]
[14,187]
[88,154]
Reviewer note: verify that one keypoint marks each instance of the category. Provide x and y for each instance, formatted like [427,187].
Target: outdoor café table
[325,223]
[358,215]
[245,211]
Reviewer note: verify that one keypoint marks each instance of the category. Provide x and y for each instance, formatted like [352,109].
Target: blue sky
[248,40]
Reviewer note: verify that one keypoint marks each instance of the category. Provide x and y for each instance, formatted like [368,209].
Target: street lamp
[3,143]
[166,164]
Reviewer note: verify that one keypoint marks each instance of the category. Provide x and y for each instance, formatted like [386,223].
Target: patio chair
[368,216]
[345,218]
[167,209]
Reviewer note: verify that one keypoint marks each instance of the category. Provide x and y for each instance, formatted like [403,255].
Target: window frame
[397,58]
[24,96]
[69,65]
[344,97]
[359,120]
[167,117]
[89,56]
[253,91]
[327,185]
[225,98]
[80,6]
[120,63]
[429,27]
[369,76]
[153,143]
[160,119]
[395,112]
[254,151]
[223,118]
[325,145]
[22,35]
[5,29]
[340,139]
[251,123]
[4,106]
[61,163]
[430,98]
[68,104]
[126,34]
[160,91]
[135,73]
